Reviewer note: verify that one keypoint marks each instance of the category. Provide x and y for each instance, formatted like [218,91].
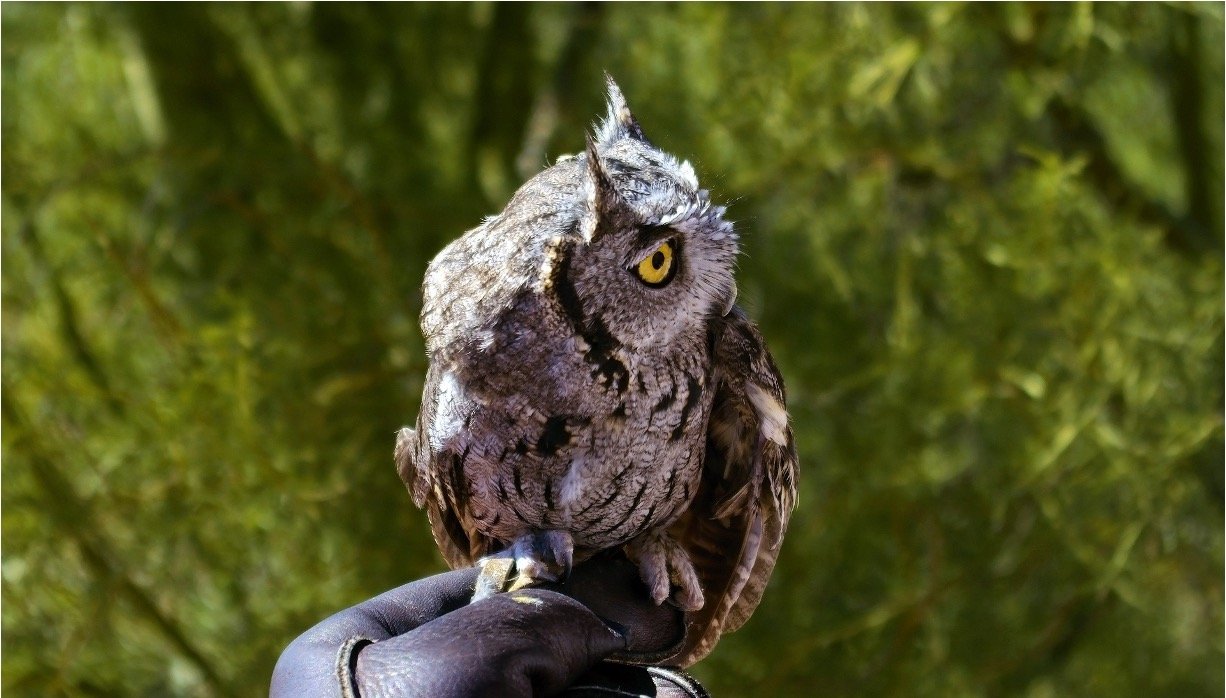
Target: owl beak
[729,301]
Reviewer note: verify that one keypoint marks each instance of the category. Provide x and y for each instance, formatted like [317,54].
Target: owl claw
[495,575]
[665,567]
[545,556]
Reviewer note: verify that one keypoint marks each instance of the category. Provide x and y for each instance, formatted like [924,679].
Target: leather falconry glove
[598,634]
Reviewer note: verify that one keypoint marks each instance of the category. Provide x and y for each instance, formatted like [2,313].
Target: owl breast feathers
[592,385]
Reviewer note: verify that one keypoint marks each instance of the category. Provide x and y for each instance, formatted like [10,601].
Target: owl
[592,385]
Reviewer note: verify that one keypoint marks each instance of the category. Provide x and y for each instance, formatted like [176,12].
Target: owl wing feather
[734,527]
[436,482]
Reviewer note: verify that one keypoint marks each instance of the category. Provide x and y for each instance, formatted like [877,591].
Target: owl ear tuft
[619,122]
[601,196]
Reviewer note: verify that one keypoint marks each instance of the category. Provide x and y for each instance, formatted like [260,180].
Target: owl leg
[540,556]
[664,564]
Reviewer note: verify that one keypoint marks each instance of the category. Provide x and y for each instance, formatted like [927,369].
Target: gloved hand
[426,639]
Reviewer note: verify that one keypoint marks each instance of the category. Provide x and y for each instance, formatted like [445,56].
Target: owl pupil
[657,260]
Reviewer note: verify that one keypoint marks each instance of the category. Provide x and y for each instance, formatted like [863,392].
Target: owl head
[652,256]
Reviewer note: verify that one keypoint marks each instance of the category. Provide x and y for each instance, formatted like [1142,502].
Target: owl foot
[544,556]
[664,564]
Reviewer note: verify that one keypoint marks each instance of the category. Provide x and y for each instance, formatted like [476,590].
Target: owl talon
[688,597]
[545,556]
[495,575]
[664,565]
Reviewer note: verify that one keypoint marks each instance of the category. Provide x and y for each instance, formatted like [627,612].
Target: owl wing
[435,479]
[734,527]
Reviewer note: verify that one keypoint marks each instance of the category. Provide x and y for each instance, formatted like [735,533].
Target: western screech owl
[593,385]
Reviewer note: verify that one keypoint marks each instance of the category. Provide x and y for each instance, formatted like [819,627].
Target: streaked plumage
[592,382]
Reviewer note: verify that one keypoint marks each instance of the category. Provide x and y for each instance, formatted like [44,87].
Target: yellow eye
[656,269]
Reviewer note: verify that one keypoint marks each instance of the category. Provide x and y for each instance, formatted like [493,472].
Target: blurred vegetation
[985,243]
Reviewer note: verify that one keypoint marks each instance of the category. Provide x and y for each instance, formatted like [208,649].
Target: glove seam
[647,657]
[346,665]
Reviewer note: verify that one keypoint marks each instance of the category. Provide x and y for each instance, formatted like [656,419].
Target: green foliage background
[985,243]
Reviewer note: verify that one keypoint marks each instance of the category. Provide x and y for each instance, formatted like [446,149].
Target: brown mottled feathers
[733,529]
[444,499]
